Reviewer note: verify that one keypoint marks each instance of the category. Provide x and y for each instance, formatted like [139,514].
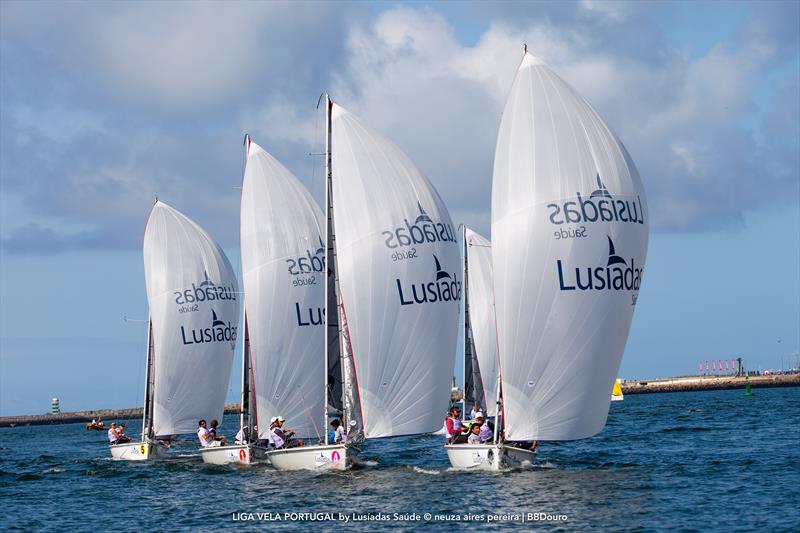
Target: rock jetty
[107,415]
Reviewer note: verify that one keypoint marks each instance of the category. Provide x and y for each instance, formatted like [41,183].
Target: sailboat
[479,343]
[392,294]
[193,296]
[616,392]
[283,267]
[570,229]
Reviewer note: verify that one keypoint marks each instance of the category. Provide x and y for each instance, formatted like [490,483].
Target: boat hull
[138,451]
[488,456]
[331,457]
[240,454]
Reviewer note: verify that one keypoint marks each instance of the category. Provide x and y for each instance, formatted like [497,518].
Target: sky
[103,106]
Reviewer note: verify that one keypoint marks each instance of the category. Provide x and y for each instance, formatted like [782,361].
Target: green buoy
[747,390]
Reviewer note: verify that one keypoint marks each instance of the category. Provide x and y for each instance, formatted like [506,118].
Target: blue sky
[105,105]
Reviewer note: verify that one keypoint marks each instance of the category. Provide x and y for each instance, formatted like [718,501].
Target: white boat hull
[488,456]
[138,451]
[241,454]
[331,457]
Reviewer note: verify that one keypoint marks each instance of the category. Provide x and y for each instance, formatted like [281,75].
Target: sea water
[664,462]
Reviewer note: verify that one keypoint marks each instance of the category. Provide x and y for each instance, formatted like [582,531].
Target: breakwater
[677,384]
[107,415]
[706,382]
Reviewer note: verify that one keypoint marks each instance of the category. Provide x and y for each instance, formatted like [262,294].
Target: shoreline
[676,384]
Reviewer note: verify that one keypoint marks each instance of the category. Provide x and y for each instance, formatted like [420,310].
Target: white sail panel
[194,307]
[569,238]
[481,314]
[400,280]
[283,265]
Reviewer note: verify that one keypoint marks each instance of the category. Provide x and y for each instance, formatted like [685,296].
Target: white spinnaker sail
[396,248]
[481,314]
[194,307]
[283,265]
[569,220]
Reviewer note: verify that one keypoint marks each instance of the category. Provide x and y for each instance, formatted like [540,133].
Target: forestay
[400,280]
[194,307]
[283,264]
[481,315]
[569,239]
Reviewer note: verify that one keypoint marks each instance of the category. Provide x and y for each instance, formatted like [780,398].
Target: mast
[252,411]
[244,402]
[244,405]
[498,411]
[465,339]
[328,252]
[148,384]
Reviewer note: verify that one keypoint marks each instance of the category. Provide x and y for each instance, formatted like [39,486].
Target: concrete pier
[106,415]
[709,382]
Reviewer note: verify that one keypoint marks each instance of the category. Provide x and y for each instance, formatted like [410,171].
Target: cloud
[105,107]
[683,118]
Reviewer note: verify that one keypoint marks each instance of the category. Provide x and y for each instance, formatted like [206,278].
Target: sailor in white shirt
[205,437]
[277,436]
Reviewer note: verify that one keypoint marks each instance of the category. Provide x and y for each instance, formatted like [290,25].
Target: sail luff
[244,403]
[148,396]
[467,357]
[328,262]
[252,393]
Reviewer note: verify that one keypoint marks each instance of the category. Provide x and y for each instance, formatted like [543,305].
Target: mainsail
[480,298]
[194,307]
[399,277]
[283,265]
[569,239]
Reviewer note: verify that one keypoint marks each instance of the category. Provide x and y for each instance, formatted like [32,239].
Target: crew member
[454,428]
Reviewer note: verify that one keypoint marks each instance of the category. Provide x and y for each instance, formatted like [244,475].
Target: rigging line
[316,143]
[308,414]
[139,381]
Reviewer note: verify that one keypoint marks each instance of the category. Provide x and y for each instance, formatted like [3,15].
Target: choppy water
[683,461]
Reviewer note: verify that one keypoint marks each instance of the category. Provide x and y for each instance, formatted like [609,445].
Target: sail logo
[423,230]
[308,263]
[311,316]
[304,269]
[205,291]
[321,458]
[445,288]
[600,206]
[617,274]
[219,331]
